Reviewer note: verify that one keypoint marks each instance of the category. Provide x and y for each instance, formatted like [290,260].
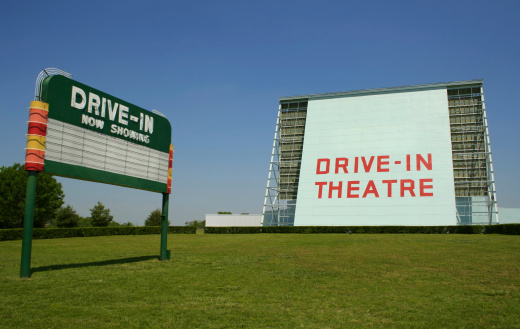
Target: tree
[155,218]
[85,222]
[67,217]
[13,186]
[196,223]
[100,215]
[224,213]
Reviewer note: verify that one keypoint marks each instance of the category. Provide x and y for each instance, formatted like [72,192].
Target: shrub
[509,229]
[155,218]
[11,234]
[455,229]
[67,217]
[100,215]
[54,233]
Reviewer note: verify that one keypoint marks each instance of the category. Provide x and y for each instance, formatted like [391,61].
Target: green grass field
[265,281]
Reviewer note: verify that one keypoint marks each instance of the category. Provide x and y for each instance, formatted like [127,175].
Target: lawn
[265,281]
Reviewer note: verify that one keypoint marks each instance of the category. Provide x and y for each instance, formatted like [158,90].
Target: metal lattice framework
[475,192]
[47,73]
[284,170]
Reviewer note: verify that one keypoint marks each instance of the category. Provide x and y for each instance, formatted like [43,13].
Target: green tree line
[50,209]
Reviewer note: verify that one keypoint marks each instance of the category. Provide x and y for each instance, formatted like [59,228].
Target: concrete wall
[213,220]
[508,215]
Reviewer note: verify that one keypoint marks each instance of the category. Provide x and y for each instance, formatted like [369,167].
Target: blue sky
[217,68]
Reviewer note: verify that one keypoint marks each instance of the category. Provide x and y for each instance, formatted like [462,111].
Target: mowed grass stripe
[265,281]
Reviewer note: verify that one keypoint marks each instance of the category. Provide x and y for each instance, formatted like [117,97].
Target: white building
[509,215]
[229,220]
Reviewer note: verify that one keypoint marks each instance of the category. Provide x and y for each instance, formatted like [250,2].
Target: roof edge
[386,90]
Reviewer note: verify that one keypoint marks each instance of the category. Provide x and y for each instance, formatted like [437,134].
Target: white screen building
[414,155]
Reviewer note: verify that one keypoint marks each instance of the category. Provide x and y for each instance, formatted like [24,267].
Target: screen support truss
[284,168]
[475,192]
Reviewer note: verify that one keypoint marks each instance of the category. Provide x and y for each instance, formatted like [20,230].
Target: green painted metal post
[30,197]
[165,254]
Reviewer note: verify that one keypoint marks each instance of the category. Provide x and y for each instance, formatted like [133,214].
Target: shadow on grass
[102,263]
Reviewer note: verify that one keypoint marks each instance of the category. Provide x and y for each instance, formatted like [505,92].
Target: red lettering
[408,188]
[423,186]
[408,162]
[356,162]
[351,188]
[335,188]
[327,166]
[369,165]
[381,163]
[406,185]
[427,165]
[371,188]
[320,190]
[341,163]
[389,182]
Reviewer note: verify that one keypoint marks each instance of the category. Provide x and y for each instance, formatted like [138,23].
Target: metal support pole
[30,197]
[165,254]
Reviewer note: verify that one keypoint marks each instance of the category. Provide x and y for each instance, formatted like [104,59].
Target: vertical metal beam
[492,197]
[271,172]
[30,197]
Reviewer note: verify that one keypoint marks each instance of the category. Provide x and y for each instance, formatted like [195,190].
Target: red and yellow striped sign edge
[36,136]
[170,163]
[39,105]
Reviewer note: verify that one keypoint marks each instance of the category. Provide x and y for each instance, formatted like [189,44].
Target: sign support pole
[30,197]
[165,254]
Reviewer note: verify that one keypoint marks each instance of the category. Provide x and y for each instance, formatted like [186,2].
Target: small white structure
[509,215]
[228,220]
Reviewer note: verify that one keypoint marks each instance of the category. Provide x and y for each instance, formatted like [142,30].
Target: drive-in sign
[80,132]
